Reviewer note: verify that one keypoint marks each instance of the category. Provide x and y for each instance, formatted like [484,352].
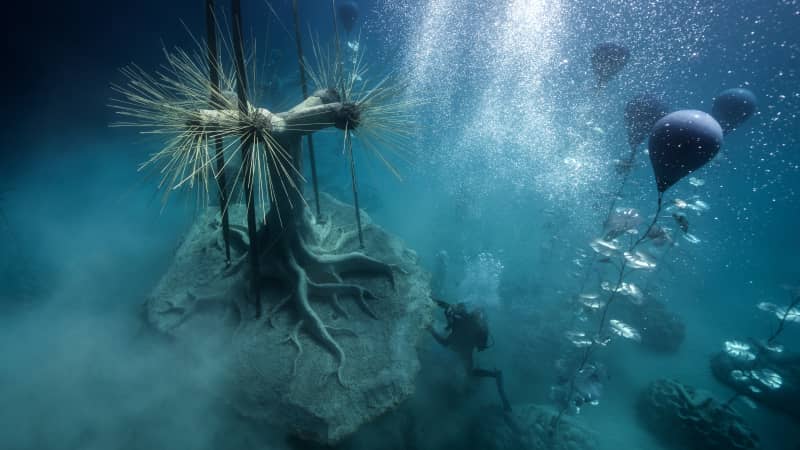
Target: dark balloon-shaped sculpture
[682,142]
[733,107]
[641,113]
[348,14]
[608,59]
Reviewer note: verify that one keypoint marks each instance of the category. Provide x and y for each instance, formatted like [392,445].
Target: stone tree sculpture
[282,256]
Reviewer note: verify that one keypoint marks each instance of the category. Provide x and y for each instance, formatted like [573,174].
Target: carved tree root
[300,266]
[192,306]
[333,290]
[295,339]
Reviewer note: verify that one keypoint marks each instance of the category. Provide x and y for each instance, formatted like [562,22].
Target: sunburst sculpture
[377,114]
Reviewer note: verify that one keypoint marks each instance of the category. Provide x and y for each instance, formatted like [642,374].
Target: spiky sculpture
[371,111]
[265,148]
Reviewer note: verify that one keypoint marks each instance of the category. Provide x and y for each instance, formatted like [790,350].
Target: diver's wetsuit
[467,333]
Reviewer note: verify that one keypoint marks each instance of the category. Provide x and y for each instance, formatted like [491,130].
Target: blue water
[511,176]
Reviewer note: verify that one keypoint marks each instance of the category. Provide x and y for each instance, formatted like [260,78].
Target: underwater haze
[524,224]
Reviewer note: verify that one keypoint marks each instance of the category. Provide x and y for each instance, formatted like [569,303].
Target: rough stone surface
[200,304]
[688,418]
[786,398]
[530,427]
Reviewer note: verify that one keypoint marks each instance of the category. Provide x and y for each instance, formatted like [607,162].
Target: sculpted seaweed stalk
[680,143]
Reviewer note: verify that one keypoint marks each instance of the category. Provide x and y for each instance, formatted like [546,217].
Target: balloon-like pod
[682,142]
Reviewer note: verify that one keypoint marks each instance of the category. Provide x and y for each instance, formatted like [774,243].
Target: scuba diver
[468,331]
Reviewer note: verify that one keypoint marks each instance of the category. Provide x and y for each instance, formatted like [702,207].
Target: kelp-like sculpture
[282,257]
[679,144]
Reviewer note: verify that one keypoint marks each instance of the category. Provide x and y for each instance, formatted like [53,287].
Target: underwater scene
[400,225]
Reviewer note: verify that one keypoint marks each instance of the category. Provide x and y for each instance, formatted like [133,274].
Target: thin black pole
[247,149]
[310,140]
[349,140]
[216,102]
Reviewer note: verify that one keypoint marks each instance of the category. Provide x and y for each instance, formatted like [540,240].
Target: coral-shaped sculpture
[688,418]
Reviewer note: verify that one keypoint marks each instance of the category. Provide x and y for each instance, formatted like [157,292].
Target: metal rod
[216,102]
[311,156]
[348,141]
[355,186]
[247,149]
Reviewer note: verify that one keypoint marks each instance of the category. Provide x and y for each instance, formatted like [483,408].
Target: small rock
[691,419]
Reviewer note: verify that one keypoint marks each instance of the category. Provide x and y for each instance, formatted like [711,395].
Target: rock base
[204,306]
[687,418]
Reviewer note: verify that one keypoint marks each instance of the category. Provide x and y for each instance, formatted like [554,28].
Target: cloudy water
[400,224]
